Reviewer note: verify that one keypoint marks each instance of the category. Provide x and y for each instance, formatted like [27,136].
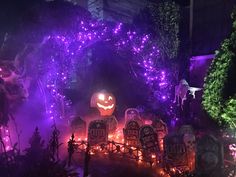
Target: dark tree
[54,144]
[37,161]
[71,148]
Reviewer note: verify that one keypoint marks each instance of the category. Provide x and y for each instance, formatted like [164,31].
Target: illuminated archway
[65,51]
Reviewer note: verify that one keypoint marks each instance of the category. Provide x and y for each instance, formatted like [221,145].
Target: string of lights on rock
[65,50]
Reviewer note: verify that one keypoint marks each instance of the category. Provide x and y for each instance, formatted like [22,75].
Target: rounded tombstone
[209,157]
[97,132]
[209,161]
[78,126]
[186,129]
[148,139]
[131,133]
[112,123]
[161,130]
[160,127]
[132,113]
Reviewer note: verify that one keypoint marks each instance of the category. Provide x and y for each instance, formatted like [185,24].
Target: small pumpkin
[104,101]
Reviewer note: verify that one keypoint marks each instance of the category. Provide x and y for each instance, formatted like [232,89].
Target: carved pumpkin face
[105,102]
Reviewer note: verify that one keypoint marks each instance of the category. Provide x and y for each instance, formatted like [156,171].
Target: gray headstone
[209,157]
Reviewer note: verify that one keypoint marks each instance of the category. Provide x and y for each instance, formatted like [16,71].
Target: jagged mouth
[105,107]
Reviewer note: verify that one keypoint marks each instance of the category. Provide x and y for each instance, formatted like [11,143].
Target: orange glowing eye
[109,98]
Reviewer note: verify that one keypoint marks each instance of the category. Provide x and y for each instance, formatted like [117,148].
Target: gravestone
[209,157]
[132,114]
[131,133]
[111,122]
[175,152]
[186,129]
[148,139]
[78,126]
[161,130]
[97,132]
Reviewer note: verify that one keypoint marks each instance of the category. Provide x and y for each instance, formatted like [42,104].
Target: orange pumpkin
[104,101]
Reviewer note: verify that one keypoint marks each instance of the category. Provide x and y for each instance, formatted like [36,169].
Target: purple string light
[71,45]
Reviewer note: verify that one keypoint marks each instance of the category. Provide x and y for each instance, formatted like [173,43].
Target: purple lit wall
[198,70]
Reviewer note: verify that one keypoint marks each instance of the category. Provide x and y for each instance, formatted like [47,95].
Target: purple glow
[163,97]
[59,67]
[202,57]
[6,137]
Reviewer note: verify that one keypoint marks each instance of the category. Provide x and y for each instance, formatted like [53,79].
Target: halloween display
[58,63]
[104,101]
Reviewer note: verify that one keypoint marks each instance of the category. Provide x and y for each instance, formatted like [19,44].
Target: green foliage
[221,109]
[229,112]
[166,17]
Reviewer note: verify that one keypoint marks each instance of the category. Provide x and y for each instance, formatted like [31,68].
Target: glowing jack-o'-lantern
[105,102]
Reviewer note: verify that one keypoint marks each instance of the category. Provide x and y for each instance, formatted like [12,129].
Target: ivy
[221,109]
[166,17]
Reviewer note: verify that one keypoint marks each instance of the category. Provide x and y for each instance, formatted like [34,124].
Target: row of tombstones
[179,150]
